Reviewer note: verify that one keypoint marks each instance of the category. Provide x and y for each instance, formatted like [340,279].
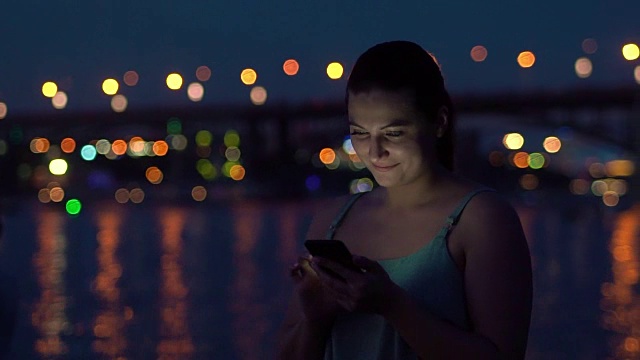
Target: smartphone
[335,250]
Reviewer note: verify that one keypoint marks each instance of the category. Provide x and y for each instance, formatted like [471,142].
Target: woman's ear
[442,121]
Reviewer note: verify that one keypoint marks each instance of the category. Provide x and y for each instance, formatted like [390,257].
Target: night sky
[78,44]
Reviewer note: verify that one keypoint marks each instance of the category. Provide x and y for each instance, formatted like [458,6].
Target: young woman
[445,267]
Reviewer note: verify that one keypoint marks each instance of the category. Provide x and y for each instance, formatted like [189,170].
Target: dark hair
[404,65]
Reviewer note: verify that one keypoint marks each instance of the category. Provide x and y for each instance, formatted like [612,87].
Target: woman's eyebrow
[394,123]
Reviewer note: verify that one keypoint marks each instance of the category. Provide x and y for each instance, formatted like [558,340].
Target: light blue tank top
[429,275]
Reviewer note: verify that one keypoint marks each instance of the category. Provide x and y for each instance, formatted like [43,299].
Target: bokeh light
[195,92]
[59,100]
[232,153]
[291,67]
[631,52]
[160,148]
[110,86]
[526,59]
[136,146]
[57,194]
[361,185]
[3,147]
[258,95]
[589,46]
[231,138]
[131,78]
[119,147]
[597,170]
[49,89]
[610,198]
[327,156]
[203,73]
[122,195]
[199,193]
[44,196]
[479,53]
[312,183]
[174,126]
[154,175]
[529,181]
[88,152]
[174,81]
[617,168]
[579,186]
[136,195]
[58,166]
[39,145]
[335,70]
[237,172]
[119,103]
[206,169]
[583,67]
[636,75]
[179,142]
[599,187]
[73,206]
[513,141]
[248,76]
[3,110]
[68,145]
[103,146]
[552,144]
[536,160]
[204,138]
[521,160]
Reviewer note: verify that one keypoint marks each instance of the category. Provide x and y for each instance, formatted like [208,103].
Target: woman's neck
[418,193]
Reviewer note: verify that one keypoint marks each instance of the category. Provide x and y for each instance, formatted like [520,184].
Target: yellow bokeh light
[110,86]
[174,81]
[521,160]
[479,53]
[131,78]
[526,59]
[203,73]
[291,67]
[258,95]
[68,145]
[619,168]
[327,156]
[3,110]
[119,103]
[199,193]
[513,141]
[49,89]
[59,100]
[119,147]
[631,52]
[154,175]
[160,148]
[583,67]
[58,166]
[248,76]
[335,70]
[195,92]
[136,145]
[237,172]
[552,144]
[589,46]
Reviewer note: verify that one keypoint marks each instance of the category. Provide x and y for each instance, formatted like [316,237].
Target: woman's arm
[498,289]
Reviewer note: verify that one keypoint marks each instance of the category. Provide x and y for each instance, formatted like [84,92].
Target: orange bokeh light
[479,53]
[119,147]
[68,145]
[291,67]
[154,175]
[136,144]
[327,156]
[160,148]
[203,73]
[131,78]
[526,59]
[39,145]
[57,194]
[237,172]
[521,160]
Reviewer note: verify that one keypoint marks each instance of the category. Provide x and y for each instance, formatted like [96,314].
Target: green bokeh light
[232,138]
[174,126]
[73,206]
[536,161]
[204,138]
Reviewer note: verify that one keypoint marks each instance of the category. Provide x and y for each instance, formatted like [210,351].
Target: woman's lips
[384,168]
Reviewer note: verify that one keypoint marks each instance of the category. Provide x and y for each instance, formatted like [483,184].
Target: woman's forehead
[382,105]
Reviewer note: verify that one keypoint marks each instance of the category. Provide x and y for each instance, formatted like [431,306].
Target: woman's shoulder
[325,211]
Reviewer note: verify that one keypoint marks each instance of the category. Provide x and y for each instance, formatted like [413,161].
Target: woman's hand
[317,302]
[367,290]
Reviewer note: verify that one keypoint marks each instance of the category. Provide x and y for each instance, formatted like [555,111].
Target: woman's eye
[357,132]
[394,133]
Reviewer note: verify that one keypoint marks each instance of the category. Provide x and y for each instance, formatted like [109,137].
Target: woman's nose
[377,149]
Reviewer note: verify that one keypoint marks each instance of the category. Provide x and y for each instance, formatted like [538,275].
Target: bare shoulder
[325,211]
[489,212]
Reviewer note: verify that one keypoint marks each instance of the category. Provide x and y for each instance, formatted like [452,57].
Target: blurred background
[160,162]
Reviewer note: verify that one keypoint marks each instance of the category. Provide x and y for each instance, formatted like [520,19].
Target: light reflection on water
[211,281]
[49,317]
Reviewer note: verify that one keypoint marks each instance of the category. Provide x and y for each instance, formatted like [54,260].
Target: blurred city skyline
[78,46]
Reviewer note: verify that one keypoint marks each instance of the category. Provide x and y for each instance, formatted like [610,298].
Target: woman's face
[389,135]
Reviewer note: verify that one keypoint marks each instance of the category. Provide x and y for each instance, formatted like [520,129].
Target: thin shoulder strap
[453,219]
[341,215]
